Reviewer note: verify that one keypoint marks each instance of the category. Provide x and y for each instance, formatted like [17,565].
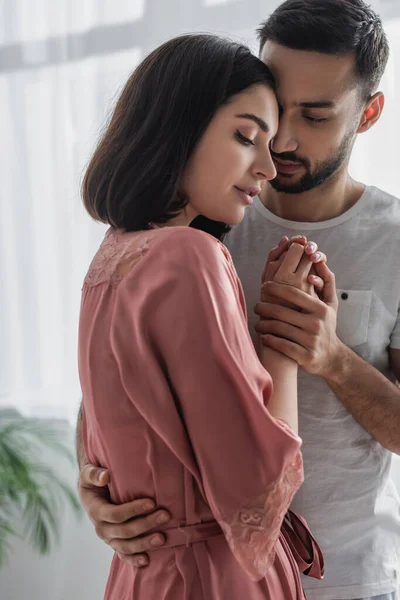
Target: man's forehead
[310,77]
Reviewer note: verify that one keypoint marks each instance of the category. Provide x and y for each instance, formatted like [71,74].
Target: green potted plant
[31,493]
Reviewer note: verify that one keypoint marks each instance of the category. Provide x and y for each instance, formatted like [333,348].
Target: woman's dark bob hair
[165,107]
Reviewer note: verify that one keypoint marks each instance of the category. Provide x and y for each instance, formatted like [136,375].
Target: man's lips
[287,167]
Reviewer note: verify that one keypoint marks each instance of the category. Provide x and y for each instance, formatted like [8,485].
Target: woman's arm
[290,262]
[283,401]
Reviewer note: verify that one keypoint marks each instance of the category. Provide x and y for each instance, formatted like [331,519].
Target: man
[328,58]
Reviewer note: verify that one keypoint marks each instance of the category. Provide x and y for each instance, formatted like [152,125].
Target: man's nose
[284,140]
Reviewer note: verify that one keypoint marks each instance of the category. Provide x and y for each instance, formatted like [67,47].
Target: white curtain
[62,63]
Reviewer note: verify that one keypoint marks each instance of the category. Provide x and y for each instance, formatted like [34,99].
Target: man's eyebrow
[316,104]
[260,122]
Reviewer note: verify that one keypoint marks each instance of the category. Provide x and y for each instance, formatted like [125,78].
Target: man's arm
[369,396]
[309,337]
[119,526]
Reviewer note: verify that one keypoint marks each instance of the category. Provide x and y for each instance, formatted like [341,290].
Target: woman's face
[232,159]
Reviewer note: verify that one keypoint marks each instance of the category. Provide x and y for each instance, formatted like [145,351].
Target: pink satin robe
[175,406]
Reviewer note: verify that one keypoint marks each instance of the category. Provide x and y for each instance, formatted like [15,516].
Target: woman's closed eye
[243,139]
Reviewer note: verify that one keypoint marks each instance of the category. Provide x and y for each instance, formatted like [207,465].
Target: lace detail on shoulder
[253,531]
[115,257]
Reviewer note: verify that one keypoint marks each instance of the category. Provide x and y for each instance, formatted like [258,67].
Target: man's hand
[123,527]
[307,333]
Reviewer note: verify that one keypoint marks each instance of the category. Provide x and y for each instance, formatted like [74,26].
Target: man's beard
[322,172]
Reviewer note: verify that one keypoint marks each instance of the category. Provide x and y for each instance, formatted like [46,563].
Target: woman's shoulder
[176,247]
[193,244]
[117,254]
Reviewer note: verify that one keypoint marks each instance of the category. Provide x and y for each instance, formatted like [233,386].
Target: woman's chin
[235,218]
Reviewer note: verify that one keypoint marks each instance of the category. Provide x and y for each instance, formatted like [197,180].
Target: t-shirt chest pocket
[353,316]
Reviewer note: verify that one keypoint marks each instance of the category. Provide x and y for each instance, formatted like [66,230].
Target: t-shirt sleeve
[249,463]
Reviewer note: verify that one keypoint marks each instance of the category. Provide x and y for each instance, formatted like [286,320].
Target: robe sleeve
[249,462]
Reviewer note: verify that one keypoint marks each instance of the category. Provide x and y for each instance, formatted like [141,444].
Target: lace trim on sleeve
[253,531]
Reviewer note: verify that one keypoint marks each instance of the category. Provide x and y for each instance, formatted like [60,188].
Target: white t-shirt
[348,498]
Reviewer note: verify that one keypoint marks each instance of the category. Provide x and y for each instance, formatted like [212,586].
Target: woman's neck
[183,219]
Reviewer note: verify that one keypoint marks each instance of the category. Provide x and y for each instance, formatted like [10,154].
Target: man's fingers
[316,281]
[282,313]
[135,546]
[329,291]
[310,257]
[101,510]
[289,349]
[284,330]
[318,257]
[133,528]
[134,560]
[310,248]
[277,251]
[117,514]
[94,476]
[296,297]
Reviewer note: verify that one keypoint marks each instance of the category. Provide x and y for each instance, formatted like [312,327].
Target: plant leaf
[30,491]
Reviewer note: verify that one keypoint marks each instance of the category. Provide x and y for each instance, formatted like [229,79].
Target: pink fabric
[175,407]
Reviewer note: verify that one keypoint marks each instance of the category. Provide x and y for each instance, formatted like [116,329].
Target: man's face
[320,111]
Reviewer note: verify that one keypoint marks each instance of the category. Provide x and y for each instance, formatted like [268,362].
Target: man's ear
[371,112]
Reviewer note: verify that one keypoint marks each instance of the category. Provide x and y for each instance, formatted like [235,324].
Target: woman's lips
[247,198]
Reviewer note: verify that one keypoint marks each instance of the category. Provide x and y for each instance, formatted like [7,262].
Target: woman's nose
[265,169]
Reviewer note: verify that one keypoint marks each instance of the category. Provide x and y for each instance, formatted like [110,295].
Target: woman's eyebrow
[260,122]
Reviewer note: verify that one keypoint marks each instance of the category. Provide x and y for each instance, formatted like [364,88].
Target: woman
[177,405]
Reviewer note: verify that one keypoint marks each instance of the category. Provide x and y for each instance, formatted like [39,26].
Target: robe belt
[186,535]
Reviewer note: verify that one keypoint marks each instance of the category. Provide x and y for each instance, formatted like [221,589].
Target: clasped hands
[298,305]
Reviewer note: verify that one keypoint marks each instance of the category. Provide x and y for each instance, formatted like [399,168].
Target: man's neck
[322,203]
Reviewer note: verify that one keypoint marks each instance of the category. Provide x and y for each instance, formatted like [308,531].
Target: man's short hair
[337,27]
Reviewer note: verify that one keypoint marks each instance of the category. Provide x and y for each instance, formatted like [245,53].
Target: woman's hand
[292,263]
